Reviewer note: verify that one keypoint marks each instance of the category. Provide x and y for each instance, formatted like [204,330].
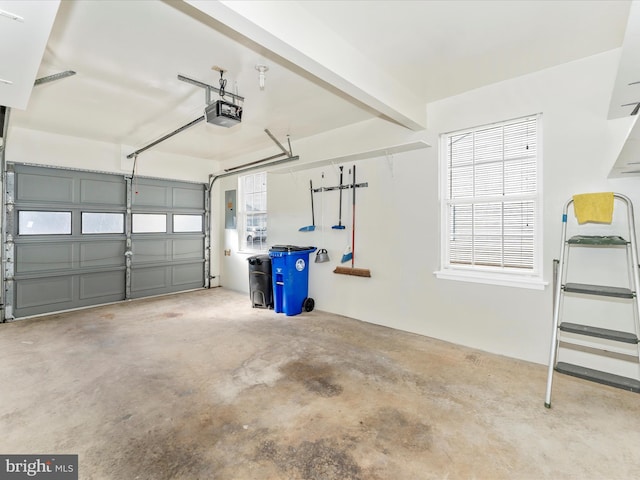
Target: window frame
[243,215]
[83,222]
[147,230]
[68,213]
[175,216]
[494,275]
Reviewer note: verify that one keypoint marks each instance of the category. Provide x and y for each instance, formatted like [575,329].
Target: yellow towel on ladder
[593,207]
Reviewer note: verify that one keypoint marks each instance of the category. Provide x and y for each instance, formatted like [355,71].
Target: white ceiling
[127,55]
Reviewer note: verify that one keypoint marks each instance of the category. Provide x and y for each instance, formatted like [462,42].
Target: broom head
[356,272]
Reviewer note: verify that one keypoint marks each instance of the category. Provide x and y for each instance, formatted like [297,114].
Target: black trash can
[260,285]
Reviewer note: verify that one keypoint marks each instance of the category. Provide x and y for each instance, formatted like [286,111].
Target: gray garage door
[72,242]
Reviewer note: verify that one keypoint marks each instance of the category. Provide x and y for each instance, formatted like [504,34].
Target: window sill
[492,278]
[253,252]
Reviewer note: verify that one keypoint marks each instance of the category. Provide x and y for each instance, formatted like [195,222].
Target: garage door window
[44,223]
[149,223]
[187,223]
[95,223]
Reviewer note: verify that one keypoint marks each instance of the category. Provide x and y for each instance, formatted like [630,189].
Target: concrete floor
[202,386]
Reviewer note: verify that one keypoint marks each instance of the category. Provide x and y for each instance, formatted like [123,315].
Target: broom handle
[340,205]
[313,215]
[353,221]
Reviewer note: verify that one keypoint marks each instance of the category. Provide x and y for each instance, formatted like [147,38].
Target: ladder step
[597,376]
[602,290]
[616,335]
[596,240]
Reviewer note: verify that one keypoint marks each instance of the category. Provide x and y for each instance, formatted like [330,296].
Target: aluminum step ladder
[582,291]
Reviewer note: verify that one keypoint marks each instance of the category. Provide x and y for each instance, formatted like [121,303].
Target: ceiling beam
[625,97]
[289,31]
[24,31]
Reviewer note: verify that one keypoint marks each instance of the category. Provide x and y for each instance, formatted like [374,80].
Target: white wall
[288,199]
[579,147]
[398,215]
[288,193]
[36,147]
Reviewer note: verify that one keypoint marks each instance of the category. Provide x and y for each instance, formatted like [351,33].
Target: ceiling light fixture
[261,68]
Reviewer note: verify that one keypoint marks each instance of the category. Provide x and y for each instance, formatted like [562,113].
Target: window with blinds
[491,197]
[252,226]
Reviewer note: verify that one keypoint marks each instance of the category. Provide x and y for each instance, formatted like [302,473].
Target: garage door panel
[187,248]
[151,196]
[150,250]
[190,274]
[45,188]
[104,284]
[43,257]
[44,291]
[187,198]
[102,192]
[150,278]
[102,254]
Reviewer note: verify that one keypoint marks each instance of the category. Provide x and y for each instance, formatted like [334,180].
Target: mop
[349,253]
[339,226]
[322,255]
[312,227]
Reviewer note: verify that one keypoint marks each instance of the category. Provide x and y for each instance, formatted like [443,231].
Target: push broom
[349,254]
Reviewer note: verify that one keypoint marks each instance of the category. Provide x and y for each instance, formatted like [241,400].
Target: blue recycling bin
[290,277]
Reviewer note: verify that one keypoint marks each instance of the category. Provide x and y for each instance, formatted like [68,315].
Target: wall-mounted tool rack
[340,187]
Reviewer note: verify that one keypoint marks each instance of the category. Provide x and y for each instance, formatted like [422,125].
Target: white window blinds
[253,212]
[491,196]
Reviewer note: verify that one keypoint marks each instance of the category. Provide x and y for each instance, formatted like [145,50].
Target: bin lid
[259,259]
[290,248]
